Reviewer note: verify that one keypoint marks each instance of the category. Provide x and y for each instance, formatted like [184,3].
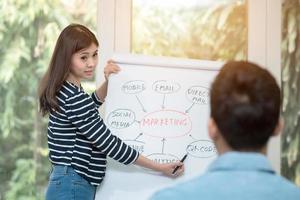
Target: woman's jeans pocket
[66,184]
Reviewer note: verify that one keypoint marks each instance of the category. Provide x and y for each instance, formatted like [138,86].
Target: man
[245,113]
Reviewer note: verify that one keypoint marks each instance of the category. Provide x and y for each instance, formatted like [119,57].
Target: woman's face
[84,62]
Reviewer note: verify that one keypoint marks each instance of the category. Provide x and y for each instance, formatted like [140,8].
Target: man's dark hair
[245,104]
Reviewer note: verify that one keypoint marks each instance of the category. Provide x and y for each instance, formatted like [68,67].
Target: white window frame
[264,38]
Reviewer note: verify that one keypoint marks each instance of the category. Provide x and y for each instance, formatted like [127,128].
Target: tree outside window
[28,33]
[290,56]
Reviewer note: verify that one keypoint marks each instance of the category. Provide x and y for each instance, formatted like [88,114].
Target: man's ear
[279,127]
[213,130]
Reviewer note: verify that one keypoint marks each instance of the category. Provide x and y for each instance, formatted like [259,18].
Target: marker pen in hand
[176,168]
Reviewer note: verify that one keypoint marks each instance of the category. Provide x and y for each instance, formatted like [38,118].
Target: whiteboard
[160,107]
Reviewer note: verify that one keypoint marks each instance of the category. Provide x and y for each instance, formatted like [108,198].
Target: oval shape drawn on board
[133,87]
[202,149]
[198,95]
[165,87]
[120,118]
[163,158]
[166,124]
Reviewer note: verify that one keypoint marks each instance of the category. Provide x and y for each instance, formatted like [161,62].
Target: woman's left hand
[111,67]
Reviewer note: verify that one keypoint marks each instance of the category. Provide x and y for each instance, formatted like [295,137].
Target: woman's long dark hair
[72,39]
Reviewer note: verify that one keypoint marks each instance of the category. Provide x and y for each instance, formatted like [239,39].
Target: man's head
[245,106]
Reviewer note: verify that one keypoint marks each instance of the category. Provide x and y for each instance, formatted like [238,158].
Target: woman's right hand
[167,168]
[111,67]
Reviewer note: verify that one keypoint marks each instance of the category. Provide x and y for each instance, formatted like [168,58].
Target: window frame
[264,40]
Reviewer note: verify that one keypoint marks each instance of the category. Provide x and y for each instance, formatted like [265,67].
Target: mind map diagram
[162,125]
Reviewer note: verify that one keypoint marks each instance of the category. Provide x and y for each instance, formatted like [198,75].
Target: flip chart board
[160,107]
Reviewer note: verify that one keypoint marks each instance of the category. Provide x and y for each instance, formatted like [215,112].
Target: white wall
[264,49]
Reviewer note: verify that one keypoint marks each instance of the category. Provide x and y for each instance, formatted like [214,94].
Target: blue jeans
[66,184]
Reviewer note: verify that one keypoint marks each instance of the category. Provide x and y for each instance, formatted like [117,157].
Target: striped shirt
[78,137]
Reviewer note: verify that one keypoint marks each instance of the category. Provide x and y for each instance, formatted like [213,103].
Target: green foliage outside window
[28,32]
[213,32]
[290,142]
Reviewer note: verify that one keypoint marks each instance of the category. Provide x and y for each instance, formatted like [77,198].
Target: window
[261,30]
[207,30]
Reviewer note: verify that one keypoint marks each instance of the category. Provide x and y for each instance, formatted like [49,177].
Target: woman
[78,140]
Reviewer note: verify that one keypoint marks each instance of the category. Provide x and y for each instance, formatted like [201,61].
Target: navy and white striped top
[78,137]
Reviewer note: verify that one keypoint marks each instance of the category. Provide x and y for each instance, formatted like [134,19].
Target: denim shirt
[234,176]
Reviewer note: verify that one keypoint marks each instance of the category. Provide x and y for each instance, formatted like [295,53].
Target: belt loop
[65,169]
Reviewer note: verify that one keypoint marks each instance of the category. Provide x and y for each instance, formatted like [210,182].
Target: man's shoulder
[231,185]
[286,186]
[189,189]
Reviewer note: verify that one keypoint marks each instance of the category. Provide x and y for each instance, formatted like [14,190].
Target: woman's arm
[110,68]
[166,169]
[101,92]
